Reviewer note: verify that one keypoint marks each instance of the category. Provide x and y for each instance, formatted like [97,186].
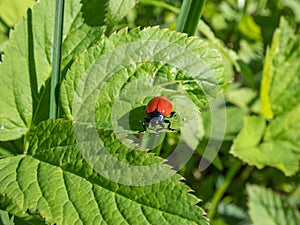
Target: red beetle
[157,109]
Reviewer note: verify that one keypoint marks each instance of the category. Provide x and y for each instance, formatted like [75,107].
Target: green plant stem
[160,4]
[56,59]
[189,16]
[223,187]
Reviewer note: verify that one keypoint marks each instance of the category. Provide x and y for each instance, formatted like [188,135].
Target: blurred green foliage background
[242,30]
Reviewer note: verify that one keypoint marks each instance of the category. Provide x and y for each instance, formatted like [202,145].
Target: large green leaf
[268,208]
[54,181]
[111,84]
[160,57]
[26,64]
[281,76]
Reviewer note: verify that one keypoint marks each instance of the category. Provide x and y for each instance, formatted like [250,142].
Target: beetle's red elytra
[160,104]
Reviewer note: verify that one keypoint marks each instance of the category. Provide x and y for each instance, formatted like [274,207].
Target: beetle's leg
[173,114]
[162,124]
[146,120]
[169,125]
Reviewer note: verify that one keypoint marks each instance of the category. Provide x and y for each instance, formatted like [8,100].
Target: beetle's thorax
[155,114]
[156,118]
